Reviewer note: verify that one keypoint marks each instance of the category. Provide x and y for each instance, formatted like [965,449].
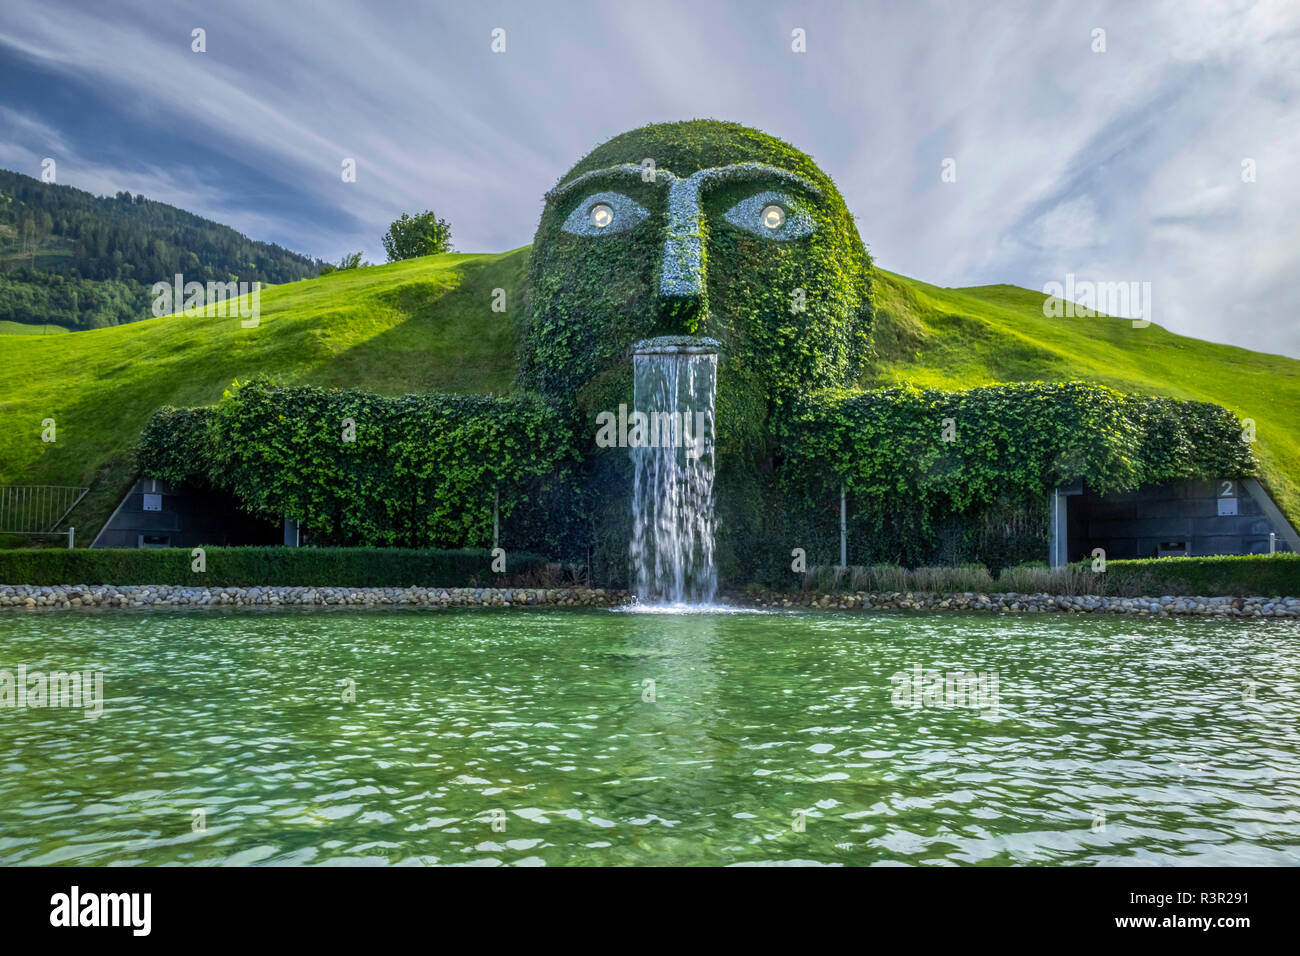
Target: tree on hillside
[351,260]
[422,235]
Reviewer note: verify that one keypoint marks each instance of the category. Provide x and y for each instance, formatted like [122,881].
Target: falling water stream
[675,381]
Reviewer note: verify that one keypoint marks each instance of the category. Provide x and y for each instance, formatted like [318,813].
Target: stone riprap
[1031,603]
[102,596]
[162,595]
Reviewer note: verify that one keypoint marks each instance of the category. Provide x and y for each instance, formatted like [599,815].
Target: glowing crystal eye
[604,214]
[773,216]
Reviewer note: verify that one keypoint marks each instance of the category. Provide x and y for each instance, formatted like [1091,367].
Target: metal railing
[38,509]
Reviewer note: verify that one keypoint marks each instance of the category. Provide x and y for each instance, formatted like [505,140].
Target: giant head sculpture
[697,228]
[706,229]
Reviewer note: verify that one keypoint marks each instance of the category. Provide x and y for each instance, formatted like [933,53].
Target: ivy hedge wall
[932,477]
[355,468]
[921,466]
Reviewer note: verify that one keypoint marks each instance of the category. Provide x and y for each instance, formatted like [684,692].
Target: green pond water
[764,738]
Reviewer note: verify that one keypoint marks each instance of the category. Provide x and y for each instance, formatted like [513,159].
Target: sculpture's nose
[681,265]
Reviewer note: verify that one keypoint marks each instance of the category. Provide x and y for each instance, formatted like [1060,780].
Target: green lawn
[427,325]
[22,328]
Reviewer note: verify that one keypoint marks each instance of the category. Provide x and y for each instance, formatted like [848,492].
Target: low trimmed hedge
[1262,575]
[1220,576]
[272,567]
[1250,575]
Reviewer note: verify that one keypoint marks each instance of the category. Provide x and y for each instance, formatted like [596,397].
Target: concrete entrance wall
[1195,518]
[155,514]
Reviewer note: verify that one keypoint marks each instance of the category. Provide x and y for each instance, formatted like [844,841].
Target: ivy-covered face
[779,216]
[697,228]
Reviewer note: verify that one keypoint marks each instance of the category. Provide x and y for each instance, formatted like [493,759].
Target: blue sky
[1116,166]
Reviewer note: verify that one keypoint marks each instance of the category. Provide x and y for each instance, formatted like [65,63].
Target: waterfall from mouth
[674,385]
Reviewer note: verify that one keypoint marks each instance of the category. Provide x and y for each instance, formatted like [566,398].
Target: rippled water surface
[753,726]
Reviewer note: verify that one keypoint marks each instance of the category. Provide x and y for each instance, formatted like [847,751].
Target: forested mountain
[83,261]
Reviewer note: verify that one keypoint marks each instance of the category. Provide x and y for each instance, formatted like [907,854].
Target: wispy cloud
[1117,165]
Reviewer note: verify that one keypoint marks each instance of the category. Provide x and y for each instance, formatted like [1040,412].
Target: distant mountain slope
[426,324]
[82,261]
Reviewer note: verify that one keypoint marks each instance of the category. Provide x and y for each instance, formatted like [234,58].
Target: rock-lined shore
[1032,603]
[162,595]
[149,595]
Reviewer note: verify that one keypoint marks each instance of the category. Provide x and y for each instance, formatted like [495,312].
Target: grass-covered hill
[427,325]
